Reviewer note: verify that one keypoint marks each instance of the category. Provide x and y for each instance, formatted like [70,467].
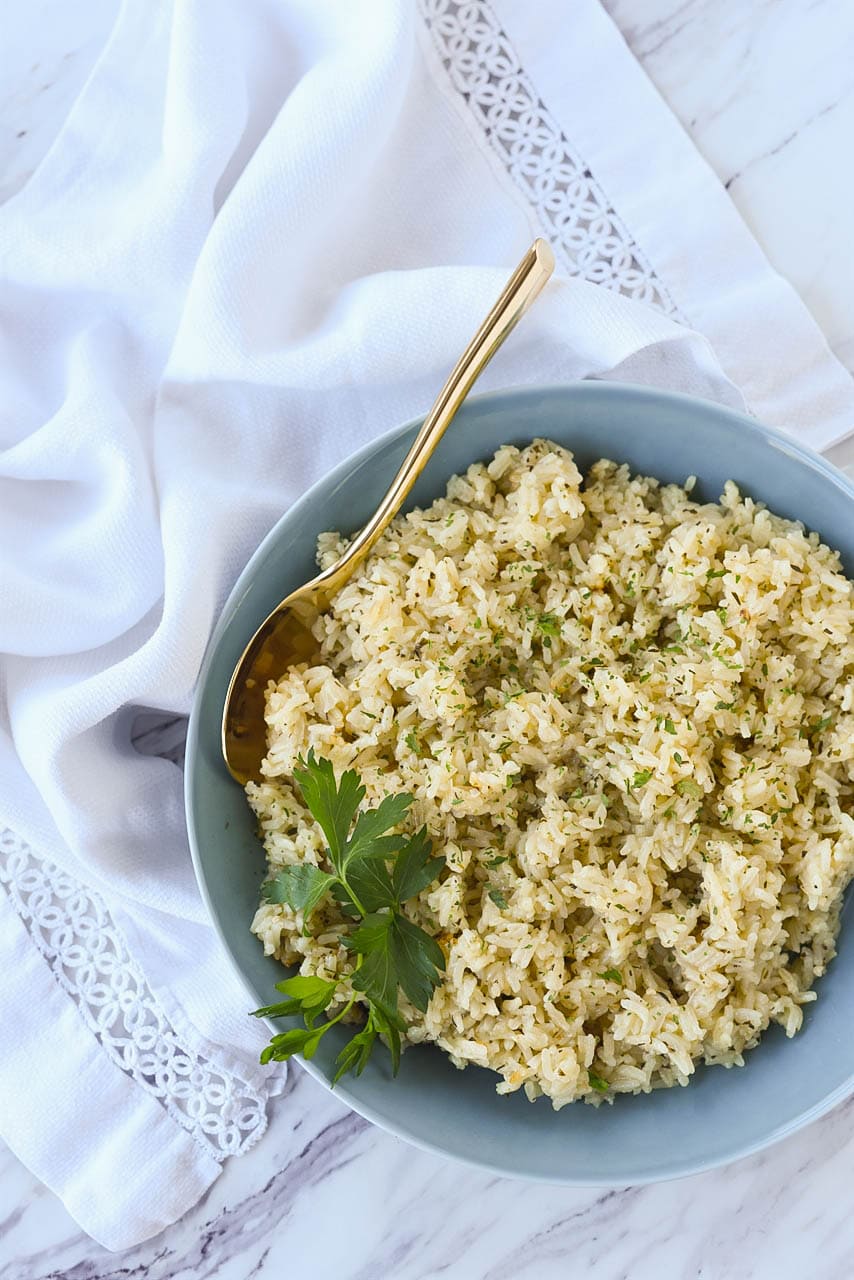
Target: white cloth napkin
[262,237]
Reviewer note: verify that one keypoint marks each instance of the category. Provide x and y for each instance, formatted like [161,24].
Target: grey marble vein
[766,91]
[327,1195]
[784,142]
[156,733]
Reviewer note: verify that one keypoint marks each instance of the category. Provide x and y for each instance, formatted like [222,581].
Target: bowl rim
[677,1168]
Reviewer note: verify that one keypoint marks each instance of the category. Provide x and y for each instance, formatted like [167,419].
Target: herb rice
[626,719]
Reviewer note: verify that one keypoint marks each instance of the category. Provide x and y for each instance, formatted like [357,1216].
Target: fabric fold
[121,1164]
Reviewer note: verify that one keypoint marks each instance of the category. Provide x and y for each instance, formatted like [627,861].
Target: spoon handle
[520,291]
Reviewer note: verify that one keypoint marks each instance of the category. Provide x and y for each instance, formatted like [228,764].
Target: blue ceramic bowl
[722,1114]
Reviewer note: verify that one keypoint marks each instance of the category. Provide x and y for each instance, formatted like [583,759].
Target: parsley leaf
[287,1044]
[307,988]
[597,1083]
[642,777]
[355,1054]
[371,883]
[308,995]
[414,869]
[368,839]
[612,975]
[418,959]
[300,887]
[392,953]
[498,898]
[391,1030]
[377,975]
[333,808]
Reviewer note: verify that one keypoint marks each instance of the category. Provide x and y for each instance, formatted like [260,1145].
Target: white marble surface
[327,1196]
[766,88]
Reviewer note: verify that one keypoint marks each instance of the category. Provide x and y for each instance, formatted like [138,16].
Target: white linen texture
[262,238]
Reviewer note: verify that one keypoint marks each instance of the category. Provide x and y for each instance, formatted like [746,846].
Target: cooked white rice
[625,715]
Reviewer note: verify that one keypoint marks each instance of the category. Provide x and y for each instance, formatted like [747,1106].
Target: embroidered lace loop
[573,210]
[72,928]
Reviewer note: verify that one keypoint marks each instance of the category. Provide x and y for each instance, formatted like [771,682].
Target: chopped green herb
[642,777]
[597,1083]
[413,743]
[688,787]
[498,898]
[612,975]
[716,573]
[677,757]
[548,624]
[669,726]
[724,706]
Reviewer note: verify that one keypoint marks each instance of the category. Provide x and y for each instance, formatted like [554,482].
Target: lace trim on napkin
[571,206]
[72,928]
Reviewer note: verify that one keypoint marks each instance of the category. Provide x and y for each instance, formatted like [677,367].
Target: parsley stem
[354,900]
[330,1022]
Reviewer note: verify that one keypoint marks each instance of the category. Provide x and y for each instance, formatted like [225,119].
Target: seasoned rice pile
[628,722]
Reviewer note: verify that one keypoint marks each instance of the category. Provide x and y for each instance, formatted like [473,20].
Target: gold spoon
[286,636]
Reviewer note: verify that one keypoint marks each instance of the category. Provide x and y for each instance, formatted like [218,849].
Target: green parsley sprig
[374,873]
